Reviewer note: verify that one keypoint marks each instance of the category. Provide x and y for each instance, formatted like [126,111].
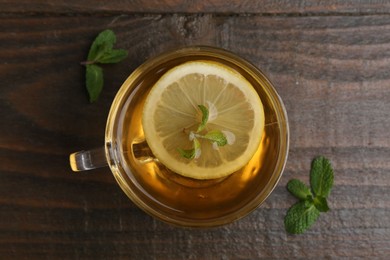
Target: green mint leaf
[193,153]
[217,137]
[299,189]
[113,56]
[321,204]
[100,52]
[94,81]
[300,217]
[188,154]
[321,177]
[205,117]
[102,44]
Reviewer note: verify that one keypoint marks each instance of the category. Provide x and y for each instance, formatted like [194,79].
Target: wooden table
[329,60]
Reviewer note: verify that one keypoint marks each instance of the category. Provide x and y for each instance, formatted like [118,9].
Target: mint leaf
[193,153]
[321,177]
[102,44]
[205,118]
[299,189]
[300,217]
[321,204]
[217,137]
[188,154]
[112,56]
[94,81]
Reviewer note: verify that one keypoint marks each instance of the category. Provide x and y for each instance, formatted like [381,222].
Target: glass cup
[171,197]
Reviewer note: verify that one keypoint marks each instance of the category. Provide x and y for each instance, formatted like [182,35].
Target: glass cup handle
[88,160]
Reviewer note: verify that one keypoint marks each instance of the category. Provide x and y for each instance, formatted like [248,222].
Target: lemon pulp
[171,114]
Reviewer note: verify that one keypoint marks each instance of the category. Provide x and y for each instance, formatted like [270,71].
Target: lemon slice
[171,116]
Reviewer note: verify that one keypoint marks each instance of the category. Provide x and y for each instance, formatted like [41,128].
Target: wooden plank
[198,6]
[331,71]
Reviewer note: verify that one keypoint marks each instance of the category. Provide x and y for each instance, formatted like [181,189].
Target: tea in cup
[195,137]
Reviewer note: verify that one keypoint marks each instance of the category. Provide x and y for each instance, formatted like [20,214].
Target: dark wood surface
[257,7]
[329,60]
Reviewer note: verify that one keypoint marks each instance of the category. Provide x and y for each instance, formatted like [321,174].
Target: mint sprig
[304,213]
[216,137]
[100,52]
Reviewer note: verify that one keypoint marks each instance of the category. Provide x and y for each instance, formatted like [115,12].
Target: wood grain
[331,71]
[197,6]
